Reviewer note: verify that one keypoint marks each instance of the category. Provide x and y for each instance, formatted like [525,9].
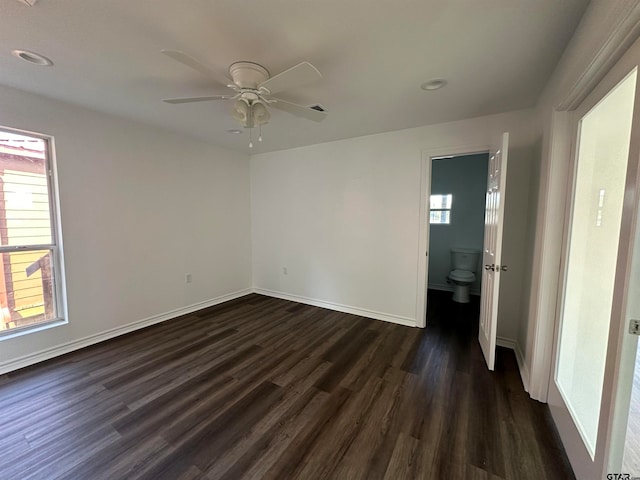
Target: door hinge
[634,327]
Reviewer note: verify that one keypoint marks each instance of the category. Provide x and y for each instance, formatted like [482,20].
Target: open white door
[492,250]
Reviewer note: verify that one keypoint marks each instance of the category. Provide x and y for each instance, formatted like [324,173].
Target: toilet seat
[462,276]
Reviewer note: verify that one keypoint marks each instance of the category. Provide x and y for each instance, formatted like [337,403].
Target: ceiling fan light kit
[251,113]
[254,88]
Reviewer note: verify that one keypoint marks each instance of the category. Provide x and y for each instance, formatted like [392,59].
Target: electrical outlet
[634,327]
[188,278]
[285,271]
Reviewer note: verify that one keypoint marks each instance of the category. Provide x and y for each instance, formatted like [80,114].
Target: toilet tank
[464,259]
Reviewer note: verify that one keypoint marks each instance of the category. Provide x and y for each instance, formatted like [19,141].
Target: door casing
[423,239]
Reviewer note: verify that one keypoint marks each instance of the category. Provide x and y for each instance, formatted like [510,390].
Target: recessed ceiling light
[433,84]
[32,57]
[234,131]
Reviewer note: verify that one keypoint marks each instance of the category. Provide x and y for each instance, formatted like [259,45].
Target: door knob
[490,267]
[503,268]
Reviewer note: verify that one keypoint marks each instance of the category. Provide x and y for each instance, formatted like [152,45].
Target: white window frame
[440,209]
[57,263]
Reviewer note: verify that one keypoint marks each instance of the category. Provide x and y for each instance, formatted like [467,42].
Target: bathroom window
[440,209]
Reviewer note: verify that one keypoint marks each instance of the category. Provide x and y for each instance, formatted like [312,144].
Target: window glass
[440,209]
[27,237]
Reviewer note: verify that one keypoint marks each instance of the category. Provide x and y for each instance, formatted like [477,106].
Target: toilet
[464,262]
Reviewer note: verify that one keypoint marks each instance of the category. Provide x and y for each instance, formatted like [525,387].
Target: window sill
[18,332]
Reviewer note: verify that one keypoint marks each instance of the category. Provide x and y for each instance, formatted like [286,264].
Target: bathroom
[456,232]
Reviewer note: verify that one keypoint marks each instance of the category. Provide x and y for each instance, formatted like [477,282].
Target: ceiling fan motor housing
[248,75]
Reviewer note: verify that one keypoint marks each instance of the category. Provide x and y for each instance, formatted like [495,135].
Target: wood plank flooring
[262,388]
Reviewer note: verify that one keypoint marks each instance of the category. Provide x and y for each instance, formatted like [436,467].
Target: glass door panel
[594,230]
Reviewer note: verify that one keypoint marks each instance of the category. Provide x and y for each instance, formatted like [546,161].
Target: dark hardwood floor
[265,388]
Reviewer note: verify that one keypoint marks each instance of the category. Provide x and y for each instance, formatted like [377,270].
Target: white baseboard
[387,317]
[506,342]
[522,366]
[49,353]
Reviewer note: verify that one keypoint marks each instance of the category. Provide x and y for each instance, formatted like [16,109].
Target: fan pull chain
[250,124]
[260,132]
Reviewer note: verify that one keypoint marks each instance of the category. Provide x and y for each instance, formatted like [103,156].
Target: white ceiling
[373,54]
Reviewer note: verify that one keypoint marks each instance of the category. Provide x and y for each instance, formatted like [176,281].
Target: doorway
[456,233]
[492,258]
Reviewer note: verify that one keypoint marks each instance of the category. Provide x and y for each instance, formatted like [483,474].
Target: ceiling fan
[253,89]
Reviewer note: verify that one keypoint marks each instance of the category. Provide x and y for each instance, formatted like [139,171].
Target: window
[28,244]
[440,209]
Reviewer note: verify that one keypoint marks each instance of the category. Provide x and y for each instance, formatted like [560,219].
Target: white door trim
[423,236]
[548,249]
[624,31]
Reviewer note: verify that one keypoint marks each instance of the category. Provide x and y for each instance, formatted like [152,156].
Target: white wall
[464,177]
[529,248]
[343,217]
[140,208]
[516,251]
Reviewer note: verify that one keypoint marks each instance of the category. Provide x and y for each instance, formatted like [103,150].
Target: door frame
[611,396]
[423,239]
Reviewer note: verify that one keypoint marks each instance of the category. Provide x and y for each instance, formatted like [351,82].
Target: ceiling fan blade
[197,99]
[298,110]
[189,61]
[302,74]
